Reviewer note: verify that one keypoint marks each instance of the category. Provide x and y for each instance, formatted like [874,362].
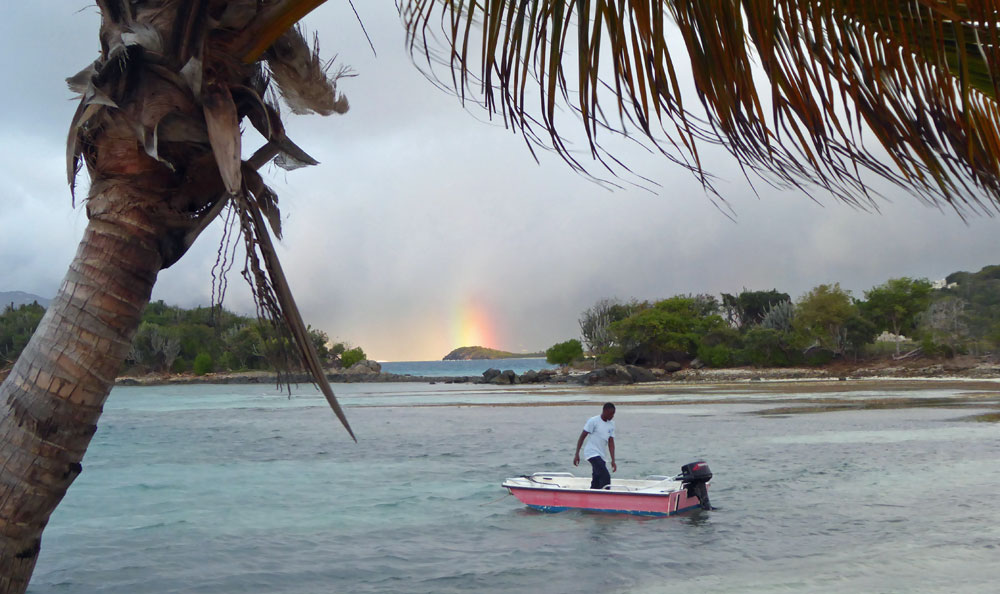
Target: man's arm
[579,444]
[611,450]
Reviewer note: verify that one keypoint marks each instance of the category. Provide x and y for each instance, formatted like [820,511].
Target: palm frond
[274,297]
[795,90]
[270,22]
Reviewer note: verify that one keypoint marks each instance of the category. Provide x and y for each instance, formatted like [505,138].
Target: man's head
[608,412]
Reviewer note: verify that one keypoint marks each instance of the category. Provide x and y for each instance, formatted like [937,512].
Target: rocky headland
[469,353]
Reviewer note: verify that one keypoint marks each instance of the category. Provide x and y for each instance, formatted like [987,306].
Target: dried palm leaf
[264,197]
[303,76]
[143,35]
[79,82]
[224,134]
[275,298]
[193,72]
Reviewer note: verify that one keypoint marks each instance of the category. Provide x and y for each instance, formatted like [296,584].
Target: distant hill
[478,352]
[19,298]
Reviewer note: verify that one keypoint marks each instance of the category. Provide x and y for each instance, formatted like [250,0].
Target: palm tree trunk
[54,395]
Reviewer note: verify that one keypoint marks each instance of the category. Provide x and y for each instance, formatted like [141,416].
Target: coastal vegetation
[768,329]
[201,340]
[564,353]
[17,324]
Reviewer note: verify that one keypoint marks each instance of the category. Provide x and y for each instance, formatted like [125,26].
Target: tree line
[768,328]
[172,339]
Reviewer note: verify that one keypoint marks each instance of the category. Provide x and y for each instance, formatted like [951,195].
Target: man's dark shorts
[601,477]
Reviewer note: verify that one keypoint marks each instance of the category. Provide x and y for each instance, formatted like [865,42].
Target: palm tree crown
[163,105]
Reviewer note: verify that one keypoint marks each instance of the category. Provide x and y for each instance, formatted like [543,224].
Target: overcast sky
[426,228]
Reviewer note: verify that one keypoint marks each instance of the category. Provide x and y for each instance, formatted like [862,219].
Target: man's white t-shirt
[597,442]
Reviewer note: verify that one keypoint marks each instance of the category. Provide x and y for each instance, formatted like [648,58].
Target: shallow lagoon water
[228,489]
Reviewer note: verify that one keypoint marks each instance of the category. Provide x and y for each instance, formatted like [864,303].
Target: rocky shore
[370,371]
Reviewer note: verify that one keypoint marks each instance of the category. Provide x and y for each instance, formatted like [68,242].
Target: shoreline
[959,370]
[769,397]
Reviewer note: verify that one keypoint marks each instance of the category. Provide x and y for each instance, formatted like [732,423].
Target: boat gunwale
[556,489]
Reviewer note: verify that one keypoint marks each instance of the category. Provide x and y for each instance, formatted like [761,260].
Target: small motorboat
[652,496]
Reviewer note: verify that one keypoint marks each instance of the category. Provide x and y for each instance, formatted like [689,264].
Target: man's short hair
[608,405]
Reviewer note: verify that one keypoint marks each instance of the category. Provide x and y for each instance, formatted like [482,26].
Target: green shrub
[202,364]
[611,356]
[819,357]
[935,349]
[352,356]
[227,362]
[767,347]
[716,356]
[564,353]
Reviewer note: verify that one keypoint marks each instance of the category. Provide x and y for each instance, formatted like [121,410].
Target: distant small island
[477,352]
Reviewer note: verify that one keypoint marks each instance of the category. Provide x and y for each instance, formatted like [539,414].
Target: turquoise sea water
[241,489]
[474,367]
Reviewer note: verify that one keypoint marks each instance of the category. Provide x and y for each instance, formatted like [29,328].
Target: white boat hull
[559,491]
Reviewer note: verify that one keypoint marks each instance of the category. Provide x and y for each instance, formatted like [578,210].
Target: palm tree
[791,88]
[158,128]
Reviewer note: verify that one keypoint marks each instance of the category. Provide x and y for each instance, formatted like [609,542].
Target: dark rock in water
[549,376]
[610,375]
[640,374]
[672,366]
[490,373]
[504,378]
[365,367]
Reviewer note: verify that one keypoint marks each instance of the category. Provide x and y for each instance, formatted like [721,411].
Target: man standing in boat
[601,429]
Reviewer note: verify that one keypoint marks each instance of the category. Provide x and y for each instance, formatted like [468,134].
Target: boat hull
[643,504]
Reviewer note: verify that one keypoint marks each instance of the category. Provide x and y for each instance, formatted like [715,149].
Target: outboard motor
[694,477]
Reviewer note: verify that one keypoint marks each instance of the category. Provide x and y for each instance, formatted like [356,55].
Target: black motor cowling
[694,477]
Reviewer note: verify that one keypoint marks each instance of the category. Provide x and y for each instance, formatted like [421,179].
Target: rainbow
[472,326]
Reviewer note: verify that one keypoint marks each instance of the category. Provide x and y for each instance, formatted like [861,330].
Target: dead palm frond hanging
[801,93]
